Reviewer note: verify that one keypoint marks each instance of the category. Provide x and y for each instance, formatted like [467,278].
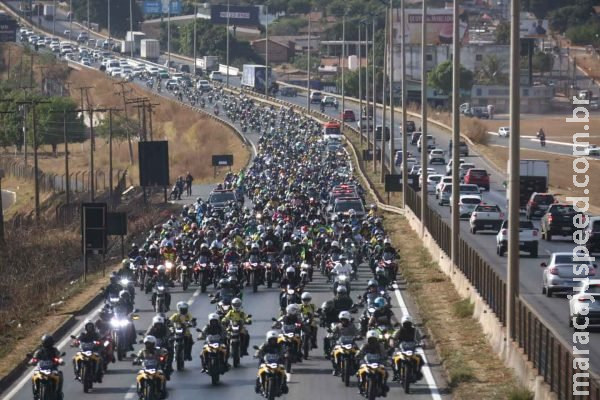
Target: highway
[553,310]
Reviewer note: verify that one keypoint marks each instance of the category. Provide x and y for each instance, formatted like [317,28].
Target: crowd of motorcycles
[281,240]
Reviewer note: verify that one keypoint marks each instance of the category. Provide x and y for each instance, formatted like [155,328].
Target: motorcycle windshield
[372,358]
[345,340]
[150,364]
[87,346]
[46,364]
[289,328]
[203,260]
[254,259]
[271,358]
[335,257]
[408,346]
[211,339]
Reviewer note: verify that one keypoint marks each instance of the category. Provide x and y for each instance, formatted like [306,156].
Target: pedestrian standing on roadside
[542,137]
[188,183]
[490,109]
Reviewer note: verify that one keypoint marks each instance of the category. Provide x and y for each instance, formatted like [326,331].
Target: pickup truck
[528,238]
[558,220]
[486,217]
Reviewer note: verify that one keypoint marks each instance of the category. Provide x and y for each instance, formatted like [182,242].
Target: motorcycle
[160,305]
[254,270]
[129,285]
[305,273]
[270,271]
[46,378]
[171,270]
[289,296]
[306,335]
[120,331]
[345,352]
[214,350]
[87,362]
[149,383]
[178,338]
[372,371]
[405,361]
[149,271]
[390,266]
[365,318]
[341,279]
[184,278]
[271,374]
[235,340]
[202,273]
[290,337]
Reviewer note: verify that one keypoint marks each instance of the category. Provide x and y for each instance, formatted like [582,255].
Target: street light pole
[308,65]
[374,124]
[195,34]
[367,108]
[131,24]
[169,36]
[54,18]
[88,15]
[455,135]
[343,61]
[392,109]
[512,286]
[227,52]
[70,18]
[383,98]
[424,142]
[267,53]
[360,99]
[109,39]
[404,132]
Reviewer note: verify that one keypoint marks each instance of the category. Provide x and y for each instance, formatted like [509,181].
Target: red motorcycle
[255,272]
[202,273]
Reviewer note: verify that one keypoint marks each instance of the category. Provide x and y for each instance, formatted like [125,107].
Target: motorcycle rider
[89,335]
[183,317]
[236,314]
[161,278]
[341,268]
[226,291]
[343,328]
[214,327]
[309,310]
[408,333]
[135,251]
[151,352]
[388,250]
[383,314]
[47,352]
[270,346]
[370,293]
[332,308]
[127,304]
[372,346]
[113,288]
[103,323]
[290,278]
[291,317]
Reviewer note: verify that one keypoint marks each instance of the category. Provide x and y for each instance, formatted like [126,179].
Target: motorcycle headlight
[183,267]
[150,371]
[214,345]
[408,353]
[273,365]
[169,265]
[347,346]
[160,288]
[119,323]
[124,282]
[374,365]
[290,335]
[87,353]
[106,343]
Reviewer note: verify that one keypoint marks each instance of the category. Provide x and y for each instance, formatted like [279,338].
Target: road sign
[393,183]
[223,160]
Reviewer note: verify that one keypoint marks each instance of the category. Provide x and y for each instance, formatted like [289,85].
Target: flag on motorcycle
[240,179]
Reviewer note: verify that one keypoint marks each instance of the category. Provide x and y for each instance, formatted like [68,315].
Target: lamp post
[308,65]
[374,124]
[195,35]
[367,108]
[404,104]
[392,109]
[108,21]
[360,107]
[1,210]
[131,23]
[169,36]
[227,55]
[267,74]
[343,61]
[383,99]
[455,134]
[424,142]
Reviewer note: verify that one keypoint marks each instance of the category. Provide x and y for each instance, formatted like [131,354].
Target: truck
[150,49]
[533,177]
[126,46]
[208,64]
[254,77]
[49,11]
[136,38]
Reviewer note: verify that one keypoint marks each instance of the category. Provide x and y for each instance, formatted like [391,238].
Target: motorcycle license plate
[487,226]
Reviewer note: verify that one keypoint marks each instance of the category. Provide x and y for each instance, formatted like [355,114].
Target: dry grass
[25,195]
[556,128]
[590,64]
[561,180]
[475,130]
[471,364]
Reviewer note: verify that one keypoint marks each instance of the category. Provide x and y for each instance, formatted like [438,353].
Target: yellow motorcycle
[292,341]
[271,375]
[406,362]
[151,383]
[344,353]
[371,376]
[87,363]
[215,354]
[46,378]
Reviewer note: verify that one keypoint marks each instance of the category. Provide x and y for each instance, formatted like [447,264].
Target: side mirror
[255,347]
[73,337]
[543,265]
[63,354]
[249,315]
[198,330]
[274,319]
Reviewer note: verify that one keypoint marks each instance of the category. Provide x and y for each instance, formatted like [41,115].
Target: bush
[464,308]
[520,394]
[475,130]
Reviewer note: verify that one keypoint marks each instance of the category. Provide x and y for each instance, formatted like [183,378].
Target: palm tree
[490,71]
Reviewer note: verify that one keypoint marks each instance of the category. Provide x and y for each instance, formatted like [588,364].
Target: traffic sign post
[222,160]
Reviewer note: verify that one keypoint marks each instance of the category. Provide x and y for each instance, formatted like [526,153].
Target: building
[300,41]
[534,99]
[278,52]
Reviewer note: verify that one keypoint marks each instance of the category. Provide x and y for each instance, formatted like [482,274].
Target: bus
[332,131]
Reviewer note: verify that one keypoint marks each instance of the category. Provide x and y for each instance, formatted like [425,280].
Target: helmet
[254,246]
[161,269]
[344,315]
[379,302]
[335,243]
[223,283]
[291,309]
[182,307]
[371,283]
[347,241]
[125,262]
[213,317]
[406,319]
[150,339]
[272,335]
[372,334]
[47,340]
[87,323]
[269,243]
[236,304]
[306,297]
[287,245]
[379,271]
[105,314]
[373,207]
[124,294]
[204,246]
[158,319]
[387,241]
[341,289]
[290,270]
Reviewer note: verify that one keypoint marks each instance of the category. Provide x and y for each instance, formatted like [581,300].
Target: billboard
[439,26]
[161,6]
[238,15]
[531,27]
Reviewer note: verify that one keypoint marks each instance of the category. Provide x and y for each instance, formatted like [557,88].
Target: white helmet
[161,268]
[292,309]
[344,315]
[406,318]
[286,245]
[290,270]
[272,335]
[213,317]
[150,339]
[158,319]
[387,241]
[335,243]
[372,334]
[236,303]
[306,296]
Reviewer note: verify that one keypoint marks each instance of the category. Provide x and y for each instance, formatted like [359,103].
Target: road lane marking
[435,393]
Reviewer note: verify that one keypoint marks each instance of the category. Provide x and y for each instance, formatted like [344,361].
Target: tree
[503,33]
[120,126]
[584,34]
[542,62]
[119,14]
[441,78]
[490,71]
[569,16]
[50,122]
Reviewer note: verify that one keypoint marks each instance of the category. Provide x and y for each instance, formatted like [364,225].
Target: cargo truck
[136,38]
[126,46]
[207,64]
[150,49]
[49,11]
[534,176]
[255,77]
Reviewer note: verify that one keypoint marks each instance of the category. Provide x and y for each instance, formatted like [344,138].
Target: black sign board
[368,155]
[8,29]
[393,183]
[117,224]
[413,182]
[238,15]
[154,163]
[93,226]
[222,160]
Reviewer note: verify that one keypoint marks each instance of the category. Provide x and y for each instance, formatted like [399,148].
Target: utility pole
[67,177]
[455,134]
[195,35]
[374,125]
[424,142]
[1,211]
[360,99]
[131,23]
[88,15]
[70,18]
[109,39]
[169,37]
[367,108]
[267,72]
[512,284]
[308,65]
[91,179]
[227,52]
[383,98]
[54,18]
[122,93]
[392,109]
[110,157]
[404,132]
[343,67]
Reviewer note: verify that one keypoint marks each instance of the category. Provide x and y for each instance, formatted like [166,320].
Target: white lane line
[435,393]
[131,393]
[27,377]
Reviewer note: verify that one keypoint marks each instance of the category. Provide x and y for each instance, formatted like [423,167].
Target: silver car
[563,274]
[585,304]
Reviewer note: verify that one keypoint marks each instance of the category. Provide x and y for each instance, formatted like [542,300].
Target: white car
[504,131]
[440,185]
[466,205]
[437,155]
[584,306]
[528,238]
[203,85]
[116,71]
[216,76]
[592,150]
[410,162]
[486,217]
[432,182]
[86,61]
[449,166]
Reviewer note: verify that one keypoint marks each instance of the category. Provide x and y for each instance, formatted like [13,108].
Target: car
[216,76]
[414,138]
[463,169]
[152,70]
[171,84]
[343,205]
[86,61]
[477,112]
[287,91]
[479,177]
[438,188]
[584,306]
[466,205]
[348,116]
[40,43]
[593,230]
[430,143]
[560,272]
[365,123]
[528,238]
[184,68]
[504,131]
[410,162]
[430,171]
[203,85]
[437,156]
[67,32]
[82,37]
[486,217]
[379,131]
[446,192]
[537,204]
[315,96]
[432,182]
[410,126]
[463,148]
[329,101]
[592,150]
[218,199]
[116,71]
[558,220]
[449,166]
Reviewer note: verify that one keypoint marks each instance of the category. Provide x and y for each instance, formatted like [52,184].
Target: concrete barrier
[8,199]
